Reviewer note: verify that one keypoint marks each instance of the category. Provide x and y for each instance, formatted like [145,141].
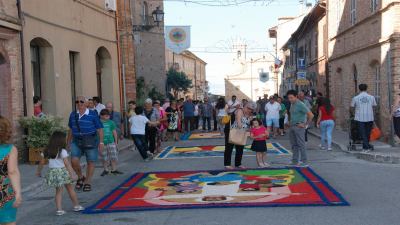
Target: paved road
[372,190]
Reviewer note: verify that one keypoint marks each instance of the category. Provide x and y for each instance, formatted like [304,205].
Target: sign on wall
[264,77]
[177,38]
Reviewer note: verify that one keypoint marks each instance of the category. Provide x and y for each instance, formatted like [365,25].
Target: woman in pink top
[259,134]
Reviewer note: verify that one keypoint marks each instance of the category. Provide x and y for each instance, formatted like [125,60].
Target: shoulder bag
[84,141]
[237,136]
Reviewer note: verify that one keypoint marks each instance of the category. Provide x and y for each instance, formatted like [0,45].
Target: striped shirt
[89,122]
[363,103]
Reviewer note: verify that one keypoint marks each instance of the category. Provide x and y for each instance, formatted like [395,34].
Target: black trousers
[229,150]
[215,121]
[206,121]
[151,134]
[396,123]
[189,123]
[365,131]
[196,122]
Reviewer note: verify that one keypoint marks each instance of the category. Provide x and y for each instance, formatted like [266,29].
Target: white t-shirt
[138,124]
[232,105]
[272,110]
[363,104]
[58,162]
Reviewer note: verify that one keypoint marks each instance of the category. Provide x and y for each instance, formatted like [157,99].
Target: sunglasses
[80,101]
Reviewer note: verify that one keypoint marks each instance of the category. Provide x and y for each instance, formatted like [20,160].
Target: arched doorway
[42,74]
[5,75]
[104,75]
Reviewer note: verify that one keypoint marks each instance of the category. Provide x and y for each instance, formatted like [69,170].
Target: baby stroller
[355,140]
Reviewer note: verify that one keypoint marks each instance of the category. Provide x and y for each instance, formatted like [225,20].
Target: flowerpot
[35,154]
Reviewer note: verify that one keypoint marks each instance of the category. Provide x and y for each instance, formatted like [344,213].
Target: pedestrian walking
[232,105]
[299,113]
[396,116]
[85,137]
[97,104]
[152,115]
[259,134]
[162,128]
[222,111]
[363,105]
[117,119]
[173,118]
[214,116]
[242,121]
[302,98]
[272,109]
[10,179]
[326,122]
[282,115]
[188,115]
[90,105]
[110,150]
[60,173]
[206,114]
[138,124]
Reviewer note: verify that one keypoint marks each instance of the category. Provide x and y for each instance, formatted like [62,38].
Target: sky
[217,28]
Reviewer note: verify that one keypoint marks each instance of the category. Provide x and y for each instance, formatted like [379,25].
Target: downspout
[121,96]
[390,89]
[22,57]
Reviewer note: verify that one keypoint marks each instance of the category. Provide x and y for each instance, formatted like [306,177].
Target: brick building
[306,52]
[195,69]
[364,47]
[11,79]
[149,43]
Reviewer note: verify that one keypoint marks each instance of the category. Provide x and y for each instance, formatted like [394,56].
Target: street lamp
[158,17]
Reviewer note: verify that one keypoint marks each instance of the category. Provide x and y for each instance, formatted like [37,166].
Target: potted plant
[39,132]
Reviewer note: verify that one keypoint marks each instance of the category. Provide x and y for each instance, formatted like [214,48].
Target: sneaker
[303,164]
[366,150]
[78,208]
[329,149]
[266,165]
[148,159]
[322,147]
[60,212]
[229,167]
[116,172]
[105,172]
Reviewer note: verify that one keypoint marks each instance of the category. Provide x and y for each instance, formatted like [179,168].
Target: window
[145,14]
[353,12]
[316,44]
[374,5]
[35,68]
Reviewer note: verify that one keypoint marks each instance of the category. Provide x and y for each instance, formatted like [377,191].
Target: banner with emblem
[177,38]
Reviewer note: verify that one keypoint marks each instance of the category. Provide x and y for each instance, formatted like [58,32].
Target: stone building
[11,78]
[194,67]
[70,49]
[306,59]
[364,47]
[149,43]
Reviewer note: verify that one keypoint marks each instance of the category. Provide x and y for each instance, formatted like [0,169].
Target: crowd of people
[96,129]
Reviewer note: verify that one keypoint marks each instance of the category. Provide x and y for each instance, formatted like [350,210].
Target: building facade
[11,78]
[364,48]
[306,53]
[195,69]
[280,34]
[70,49]
[149,44]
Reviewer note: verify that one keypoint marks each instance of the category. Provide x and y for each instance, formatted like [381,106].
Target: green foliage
[40,129]
[178,81]
[144,91]
[155,95]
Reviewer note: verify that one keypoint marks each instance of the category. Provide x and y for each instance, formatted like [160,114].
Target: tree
[145,90]
[178,82]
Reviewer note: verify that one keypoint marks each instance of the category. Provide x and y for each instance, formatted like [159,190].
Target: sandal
[79,183]
[87,187]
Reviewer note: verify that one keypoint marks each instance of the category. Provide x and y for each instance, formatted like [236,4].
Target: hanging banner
[177,38]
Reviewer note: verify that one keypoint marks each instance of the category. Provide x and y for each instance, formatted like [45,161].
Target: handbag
[226,119]
[85,141]
[237,136]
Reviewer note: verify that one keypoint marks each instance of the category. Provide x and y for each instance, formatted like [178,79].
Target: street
[370,188]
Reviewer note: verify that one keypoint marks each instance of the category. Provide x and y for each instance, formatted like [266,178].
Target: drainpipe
[390,89]
[22,57]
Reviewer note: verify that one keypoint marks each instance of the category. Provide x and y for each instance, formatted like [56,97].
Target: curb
[335,143]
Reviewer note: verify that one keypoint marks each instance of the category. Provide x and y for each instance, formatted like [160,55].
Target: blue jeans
[91,154]
[207,121]
[326,132]
[365,132]
[141,145]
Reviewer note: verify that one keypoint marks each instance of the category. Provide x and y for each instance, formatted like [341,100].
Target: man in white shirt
[364,104]
[232,104]
[272,109]
[98,105]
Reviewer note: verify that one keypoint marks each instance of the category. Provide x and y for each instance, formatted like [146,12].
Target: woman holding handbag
[236,136]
